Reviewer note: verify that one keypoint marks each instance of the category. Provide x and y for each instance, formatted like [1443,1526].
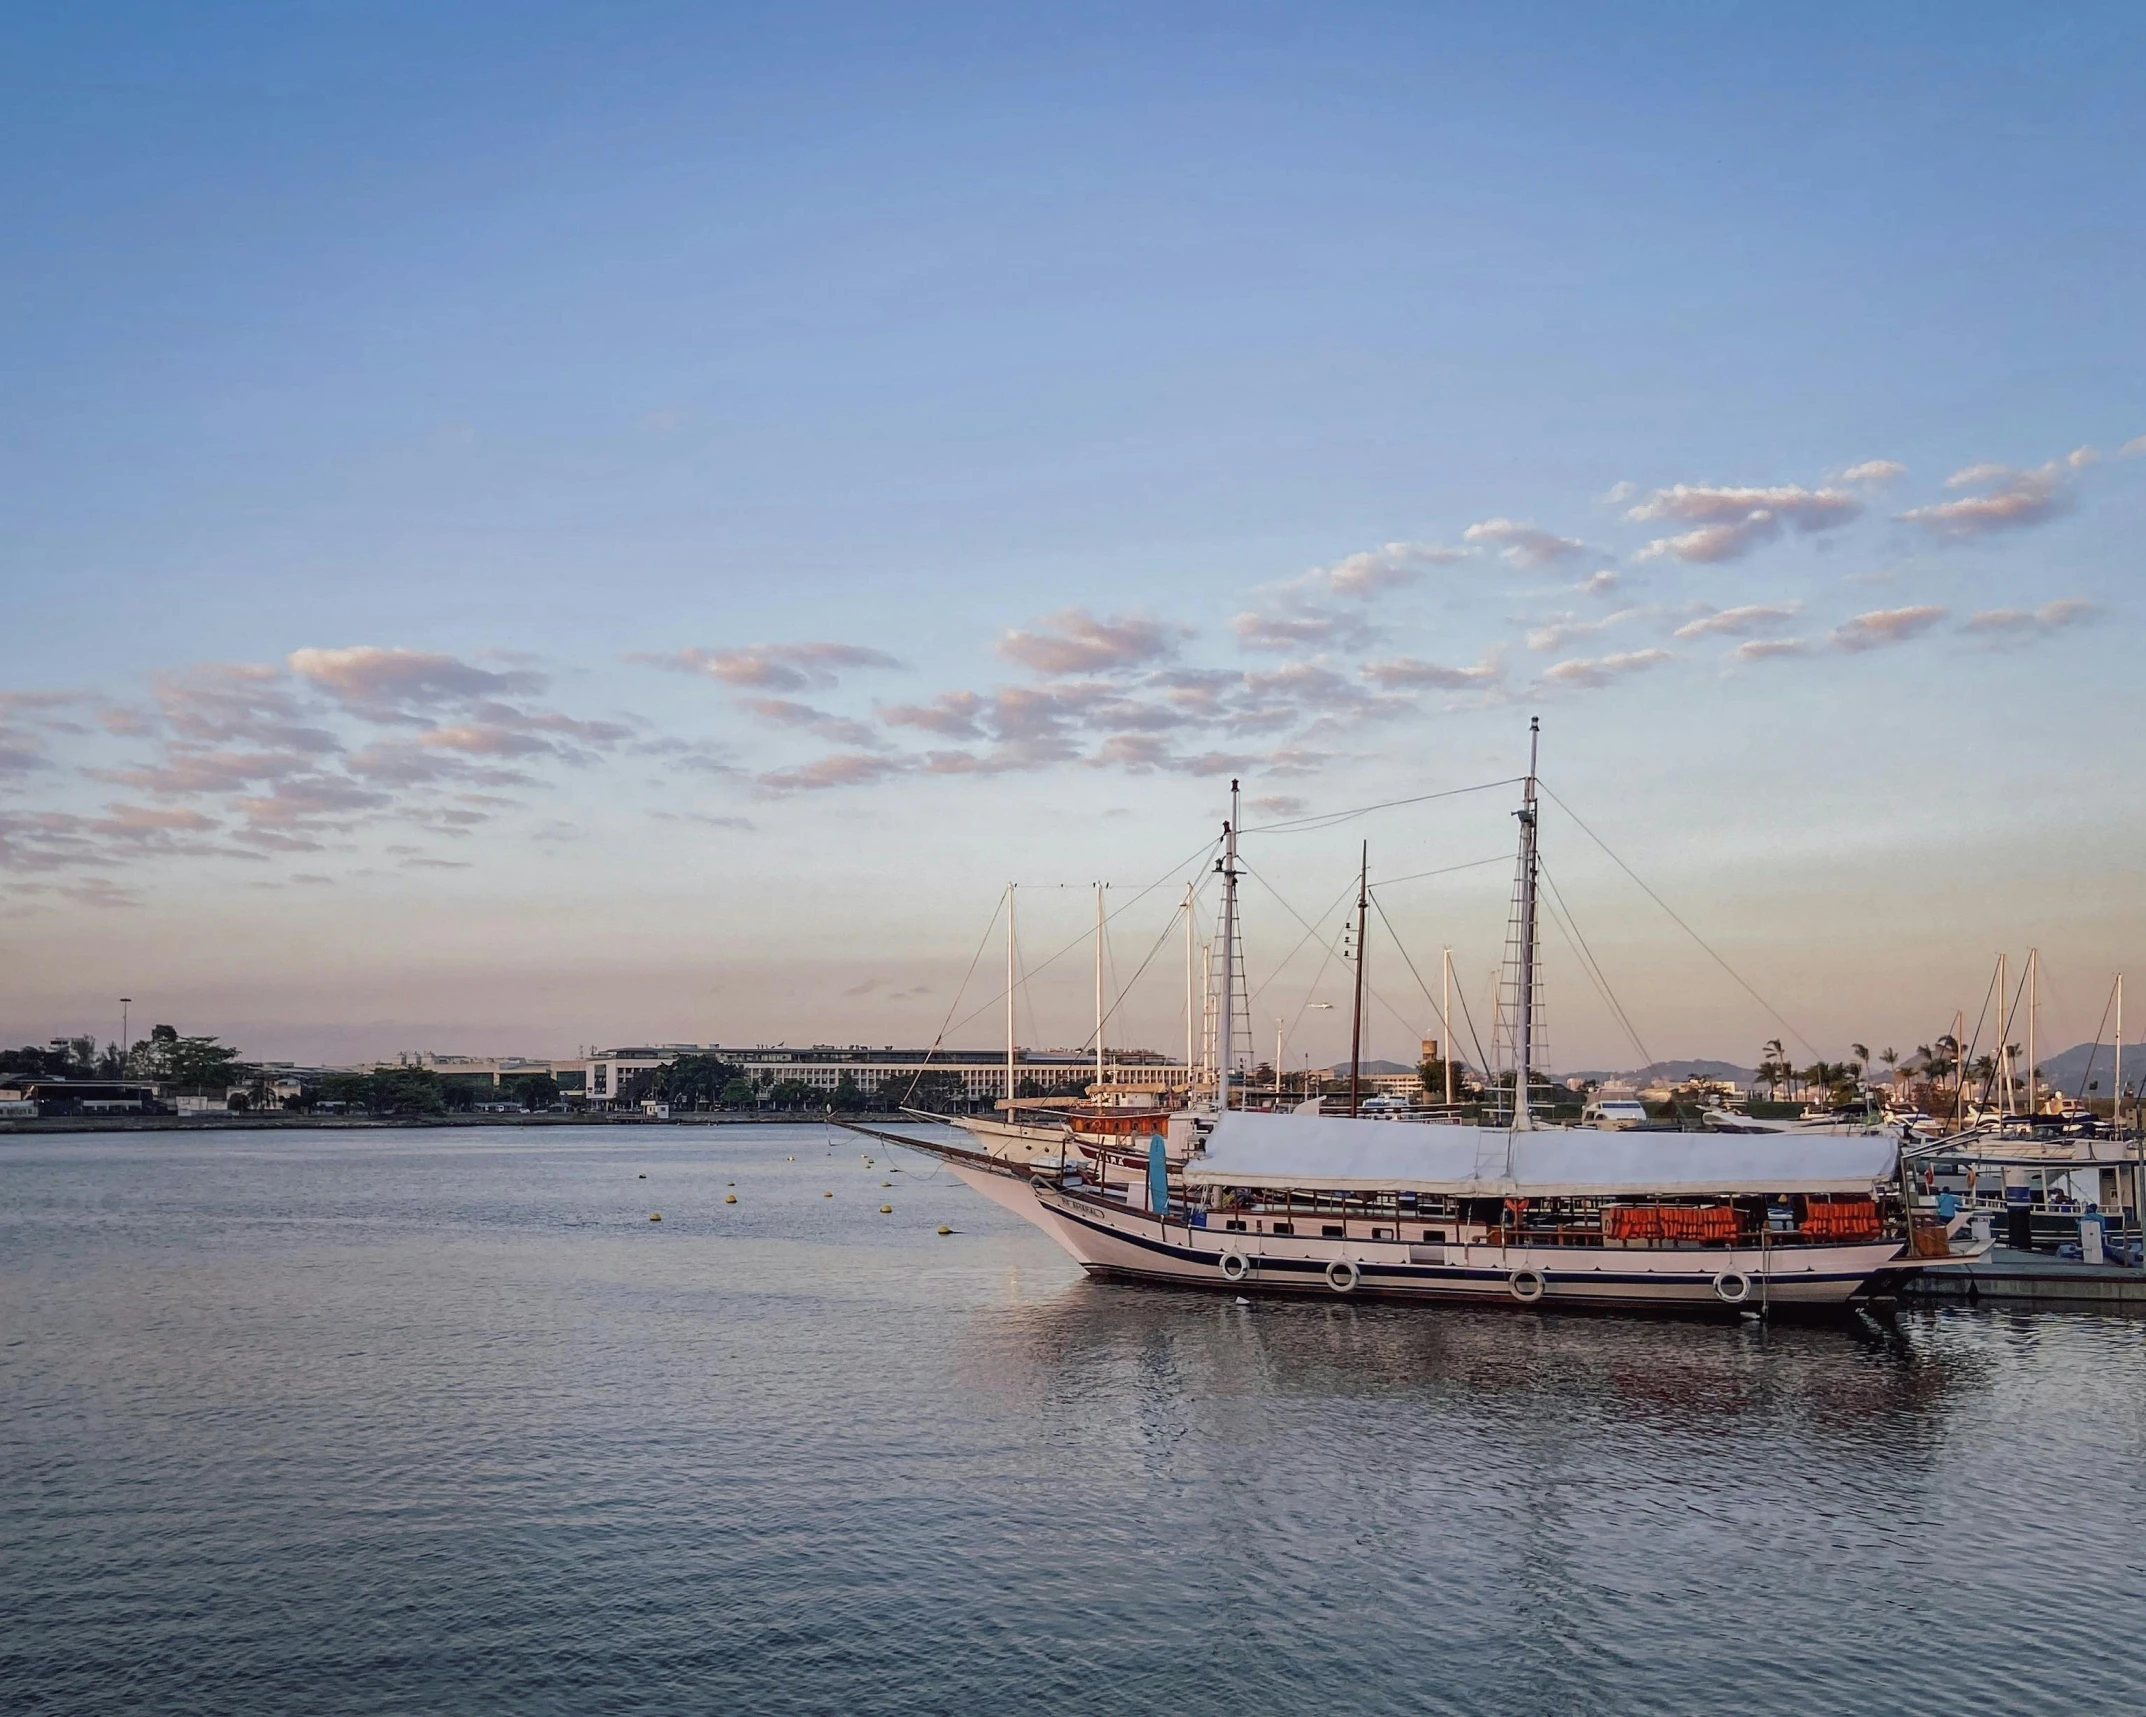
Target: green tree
[694,1081]
[738,1093]
[847,1094]
[536,1091]
[790,1094]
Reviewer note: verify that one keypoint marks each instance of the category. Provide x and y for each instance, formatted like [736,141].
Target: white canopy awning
[1332,1151]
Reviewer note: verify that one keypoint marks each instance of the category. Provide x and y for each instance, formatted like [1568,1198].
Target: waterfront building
[822,1068]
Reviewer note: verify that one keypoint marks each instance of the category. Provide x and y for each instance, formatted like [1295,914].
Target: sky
[525,528]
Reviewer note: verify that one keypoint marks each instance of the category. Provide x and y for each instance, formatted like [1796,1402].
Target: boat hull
[1130,1245]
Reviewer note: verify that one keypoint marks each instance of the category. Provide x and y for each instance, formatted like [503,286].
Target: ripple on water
[412,1422]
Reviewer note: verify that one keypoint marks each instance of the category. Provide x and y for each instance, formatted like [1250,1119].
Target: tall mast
[1009,1001]
[1524,1037]
[1099,984]
[2034,1008]
[2117,1111]
[1191,1013]
[1228,867]
[1445,1024]
[1356,1016]
[1959,1070]
[2004,1035]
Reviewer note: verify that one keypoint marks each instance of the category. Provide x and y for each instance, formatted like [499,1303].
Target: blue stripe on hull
[1416,1280]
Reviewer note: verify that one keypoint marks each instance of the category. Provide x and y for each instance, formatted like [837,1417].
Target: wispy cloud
[1738,622]
[1875,472]
[1732,520]
[2016,622]
[1601,671]
[1521,544]
[1405,673]
[2010,500]
[1883,626]
[1561,629]
[1074,641]
[1769,649]
[769,667]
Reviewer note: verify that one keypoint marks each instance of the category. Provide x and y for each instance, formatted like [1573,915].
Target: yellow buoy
[655,1216]
[827,1195]
[730,1198]
[943,1229]
[886,1210]
[886,1183]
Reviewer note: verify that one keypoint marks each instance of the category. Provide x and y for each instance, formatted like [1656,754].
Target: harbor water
[441,1421]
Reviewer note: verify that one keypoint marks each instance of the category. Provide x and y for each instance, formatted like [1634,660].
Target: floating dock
[2031,1277]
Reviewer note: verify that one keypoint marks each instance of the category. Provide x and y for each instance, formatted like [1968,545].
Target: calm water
[442,1423]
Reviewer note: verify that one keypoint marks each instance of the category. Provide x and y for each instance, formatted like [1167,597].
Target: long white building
[822,1067]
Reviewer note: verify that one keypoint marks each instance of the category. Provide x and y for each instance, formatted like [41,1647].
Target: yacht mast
[2034,1008]
[1009,1001]
[1191,1013]
[2004,1035]
[1227,865]
[1099,985]
[1356,1016]
[1524,1036]
[1445,1024]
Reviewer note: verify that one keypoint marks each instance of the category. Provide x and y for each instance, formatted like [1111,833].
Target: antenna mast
[1524,1022]
[1356,1017]
[1227,865]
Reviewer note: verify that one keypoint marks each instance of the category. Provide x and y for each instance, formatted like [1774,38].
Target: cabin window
[1332,1231]
[1235,1225]
[1434,1237]
[1382,1233]
[1284,1228]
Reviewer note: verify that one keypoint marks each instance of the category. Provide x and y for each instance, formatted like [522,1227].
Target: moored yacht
[1514,1213]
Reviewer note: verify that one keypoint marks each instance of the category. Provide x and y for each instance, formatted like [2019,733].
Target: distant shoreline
[374,1123]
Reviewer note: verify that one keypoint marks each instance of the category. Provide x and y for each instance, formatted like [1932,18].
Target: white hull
[1013,1143]
[1133,1244]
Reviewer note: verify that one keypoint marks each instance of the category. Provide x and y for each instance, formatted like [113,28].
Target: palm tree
[1861,1052]
[1891,1057]
[1771,1067]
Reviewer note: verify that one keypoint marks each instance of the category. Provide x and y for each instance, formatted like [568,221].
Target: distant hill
[2064,1072]
[1340,1069]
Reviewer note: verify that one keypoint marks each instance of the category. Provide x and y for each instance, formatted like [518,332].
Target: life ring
[1732,1287]
[1526,1286]
[1341,1275]
[1235,1266]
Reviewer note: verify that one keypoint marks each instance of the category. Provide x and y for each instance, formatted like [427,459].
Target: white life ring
[1341,1275]
[1235,1266]
[1732,1287]
[1525,1285]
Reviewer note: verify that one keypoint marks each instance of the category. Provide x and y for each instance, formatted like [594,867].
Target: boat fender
[1526,1286]
[1235,1266]
[1341,1275]
[1732,1287]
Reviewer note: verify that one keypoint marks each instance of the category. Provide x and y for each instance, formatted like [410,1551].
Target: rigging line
[1571,926]
[1299,917]
[1327,819]
[1298,949]
[981,941]
[1963,1052]
[2093,1055]
[1445,1025]
[1168,930]
[1481,1060]
[1444,870]
[1079,941]
[1594,978]
[1776,1014]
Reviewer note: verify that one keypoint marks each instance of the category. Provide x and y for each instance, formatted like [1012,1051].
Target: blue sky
[676,506]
